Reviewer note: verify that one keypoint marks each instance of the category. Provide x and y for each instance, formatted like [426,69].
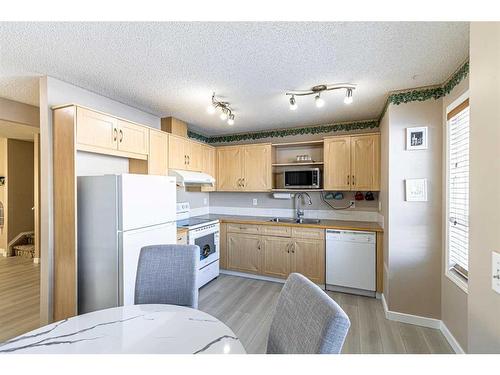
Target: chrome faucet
[300,211]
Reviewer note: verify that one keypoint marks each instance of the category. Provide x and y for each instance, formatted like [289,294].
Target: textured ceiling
[172,68]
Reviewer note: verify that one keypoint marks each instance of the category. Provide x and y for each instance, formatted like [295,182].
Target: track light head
[348,96]
[319,101]
[223,116]
[293,103]
[230,120]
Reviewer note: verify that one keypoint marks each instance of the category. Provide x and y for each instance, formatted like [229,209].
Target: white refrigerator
[117,216]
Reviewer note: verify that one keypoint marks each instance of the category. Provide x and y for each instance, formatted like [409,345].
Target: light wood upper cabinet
[178,151]
[98,132]
[185,154]
[257,173]
[96,129]
[352,163]
[195,157]
[229,168]
[244,168]
[308,258]
[133,138]
[244,252]
[275,256]
[209,165]
[365,162]
[158,153]
[337,167]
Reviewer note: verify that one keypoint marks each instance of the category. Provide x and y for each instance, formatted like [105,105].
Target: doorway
[19,229]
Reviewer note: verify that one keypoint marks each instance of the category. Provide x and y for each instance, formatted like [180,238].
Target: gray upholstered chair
[167,274]
[306,320]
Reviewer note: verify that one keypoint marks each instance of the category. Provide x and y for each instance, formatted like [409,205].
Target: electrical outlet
[254,201]
[495,271]
[352,204]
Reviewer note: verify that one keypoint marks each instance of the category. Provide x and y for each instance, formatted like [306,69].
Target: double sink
[295,221]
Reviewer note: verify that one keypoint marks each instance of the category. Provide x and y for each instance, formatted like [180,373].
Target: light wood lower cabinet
[273,251]
[276,256]
[308,258]
[244,252]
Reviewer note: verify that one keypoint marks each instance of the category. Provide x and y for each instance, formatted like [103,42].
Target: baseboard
[410,319]
[423,322]
[451,339]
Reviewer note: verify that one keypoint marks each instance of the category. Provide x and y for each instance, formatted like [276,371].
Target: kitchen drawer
[280,231]
[182,237]
[243,228]
[317,234]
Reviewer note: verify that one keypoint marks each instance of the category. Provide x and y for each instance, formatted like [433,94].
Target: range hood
[188,178]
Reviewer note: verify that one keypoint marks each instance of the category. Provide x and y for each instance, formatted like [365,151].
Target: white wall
[54,92]
[483,302]
[414,241]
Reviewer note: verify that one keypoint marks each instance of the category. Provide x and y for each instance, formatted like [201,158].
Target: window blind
[458,189]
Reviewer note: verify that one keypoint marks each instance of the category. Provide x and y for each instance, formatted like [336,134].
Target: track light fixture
[230,121]
[226,111]
[317,90]
[319,101]
[348,96]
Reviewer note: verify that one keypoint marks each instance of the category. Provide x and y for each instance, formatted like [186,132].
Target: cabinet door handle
[347,179]
[189,159]
[121,135]
[292,247]
[288,248]
[258,245]
[353,183]
[243,183]
[115,134]
[185,160]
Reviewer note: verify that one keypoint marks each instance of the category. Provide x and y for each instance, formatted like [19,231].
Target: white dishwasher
[350,262]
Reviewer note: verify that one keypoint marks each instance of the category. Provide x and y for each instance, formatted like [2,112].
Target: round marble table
[143,329]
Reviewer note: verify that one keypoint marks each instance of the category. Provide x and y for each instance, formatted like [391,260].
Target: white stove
[203,232]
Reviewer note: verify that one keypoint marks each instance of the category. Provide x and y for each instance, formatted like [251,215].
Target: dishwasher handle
[350,236]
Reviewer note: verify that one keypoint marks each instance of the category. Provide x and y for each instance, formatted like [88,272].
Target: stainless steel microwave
[299,179]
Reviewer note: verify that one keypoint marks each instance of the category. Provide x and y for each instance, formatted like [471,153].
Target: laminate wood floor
[247,307]
[19,296]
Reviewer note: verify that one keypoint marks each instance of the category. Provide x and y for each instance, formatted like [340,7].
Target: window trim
[457,279]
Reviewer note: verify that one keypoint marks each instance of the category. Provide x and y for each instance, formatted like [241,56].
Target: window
[457,193]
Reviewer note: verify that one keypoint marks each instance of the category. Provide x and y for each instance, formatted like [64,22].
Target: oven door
[207,239]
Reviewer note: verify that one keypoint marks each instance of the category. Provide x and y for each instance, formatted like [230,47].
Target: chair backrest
[167,274]
[306,320]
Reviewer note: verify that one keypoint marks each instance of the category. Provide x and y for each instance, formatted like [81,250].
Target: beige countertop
[323,224]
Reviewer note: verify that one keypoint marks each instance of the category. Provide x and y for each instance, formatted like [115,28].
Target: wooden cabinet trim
[243,228]
[308,233]
[277,231]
